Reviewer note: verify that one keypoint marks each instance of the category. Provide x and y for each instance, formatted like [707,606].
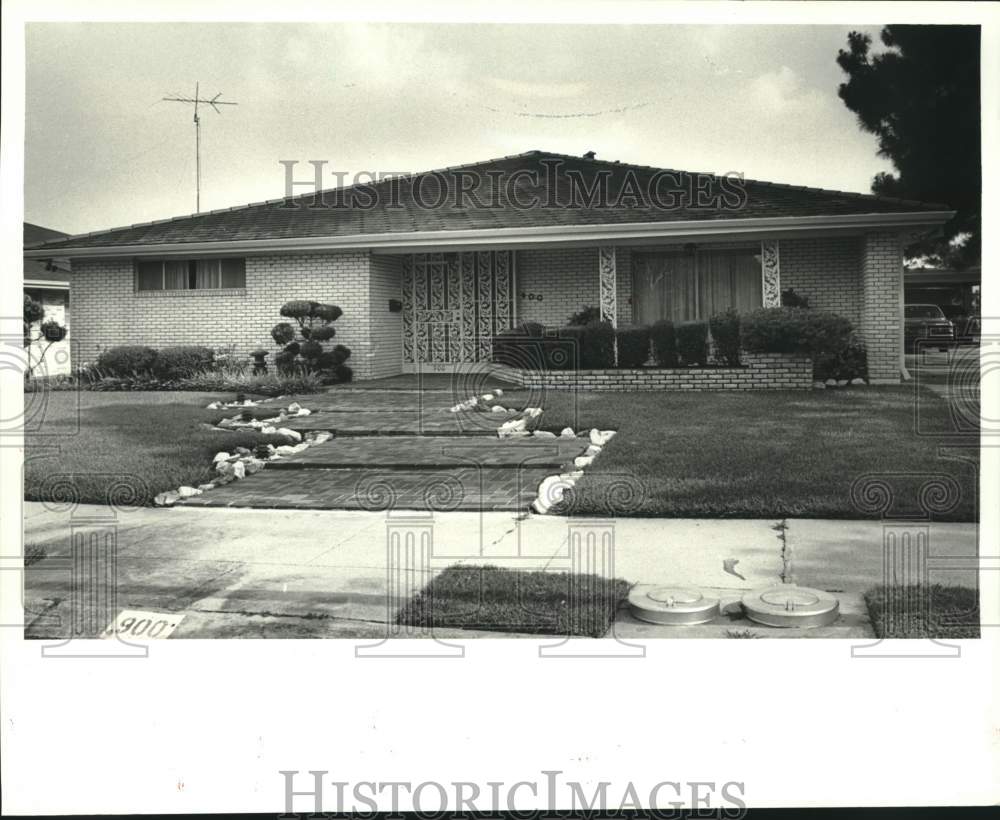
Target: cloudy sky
[102,151]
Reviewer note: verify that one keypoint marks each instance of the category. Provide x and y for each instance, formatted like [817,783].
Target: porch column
[770,273]
[608,281]
[607,271]
[881,319]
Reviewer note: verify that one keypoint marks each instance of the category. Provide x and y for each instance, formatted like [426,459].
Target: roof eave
[524,237]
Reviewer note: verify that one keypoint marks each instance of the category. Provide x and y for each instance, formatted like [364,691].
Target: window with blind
[685,285]
[190,274]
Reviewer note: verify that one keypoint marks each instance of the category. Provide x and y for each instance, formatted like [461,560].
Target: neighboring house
[47,282]
[425,287]
[956,292]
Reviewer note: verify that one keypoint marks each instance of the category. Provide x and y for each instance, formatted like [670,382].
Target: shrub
[664,343]
[585,316]
[507,346]
[302,342]
[528,346]
[178,362]
[692,343]
[789,298]
[126,360]
[282,333]
[794,330]
[725,329]
[633,345]
[850,362]
[571,338]
[597,345]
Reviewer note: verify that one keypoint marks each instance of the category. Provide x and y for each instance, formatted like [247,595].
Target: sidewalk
[273,573]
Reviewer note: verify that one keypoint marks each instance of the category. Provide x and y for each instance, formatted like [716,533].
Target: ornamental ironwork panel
[454,303]
[770,272]
[408,326]
[608,273]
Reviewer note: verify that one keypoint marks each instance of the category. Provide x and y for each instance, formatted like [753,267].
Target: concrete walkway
[268,573]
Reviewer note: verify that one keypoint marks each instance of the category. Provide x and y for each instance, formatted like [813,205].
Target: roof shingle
[401,205]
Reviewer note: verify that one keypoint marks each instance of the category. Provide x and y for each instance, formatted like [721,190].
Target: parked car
[967,329]
[929,325]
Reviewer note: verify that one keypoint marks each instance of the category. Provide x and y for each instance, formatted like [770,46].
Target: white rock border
[242,462]
[552,488]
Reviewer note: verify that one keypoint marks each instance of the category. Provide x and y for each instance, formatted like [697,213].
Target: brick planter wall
[762,371]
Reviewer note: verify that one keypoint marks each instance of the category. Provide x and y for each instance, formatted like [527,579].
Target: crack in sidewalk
[786,552]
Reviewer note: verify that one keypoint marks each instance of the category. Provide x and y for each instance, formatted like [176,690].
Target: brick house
[428,267]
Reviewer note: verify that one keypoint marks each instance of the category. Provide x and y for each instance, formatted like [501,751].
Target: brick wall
[566,279]
[881,305]
[385,327]
[827,270]
[762,371]
[108,311]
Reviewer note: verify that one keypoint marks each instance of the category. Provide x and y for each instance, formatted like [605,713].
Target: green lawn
[757,454]
[81,446]
[924,612]
[506,600]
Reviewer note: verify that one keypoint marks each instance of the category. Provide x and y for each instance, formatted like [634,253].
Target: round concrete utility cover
[674,606]
[788,605]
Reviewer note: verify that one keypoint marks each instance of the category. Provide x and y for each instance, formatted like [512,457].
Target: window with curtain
[190,274]
[684,285]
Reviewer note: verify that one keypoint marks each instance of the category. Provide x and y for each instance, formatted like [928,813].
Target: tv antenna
[215,102]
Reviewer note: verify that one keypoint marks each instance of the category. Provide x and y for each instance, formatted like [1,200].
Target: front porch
[451,303]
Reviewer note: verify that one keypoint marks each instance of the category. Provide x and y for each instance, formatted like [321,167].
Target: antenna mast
[215,102]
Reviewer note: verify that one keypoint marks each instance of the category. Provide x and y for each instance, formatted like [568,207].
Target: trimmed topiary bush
[302,341]
[692,343]
[725,329]
[633,345]
[664,341]
[182,361]
[126,360]
[597,346]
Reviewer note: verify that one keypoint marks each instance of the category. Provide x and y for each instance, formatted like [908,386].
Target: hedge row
[167,363]
[827,337]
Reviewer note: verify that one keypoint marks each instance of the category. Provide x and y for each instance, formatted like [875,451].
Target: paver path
[400,423]
[416,452]
[401,451]
[436,489]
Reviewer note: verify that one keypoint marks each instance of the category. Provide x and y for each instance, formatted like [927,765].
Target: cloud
[783,91]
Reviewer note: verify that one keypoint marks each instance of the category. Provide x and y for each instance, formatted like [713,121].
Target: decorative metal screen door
[453,304]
